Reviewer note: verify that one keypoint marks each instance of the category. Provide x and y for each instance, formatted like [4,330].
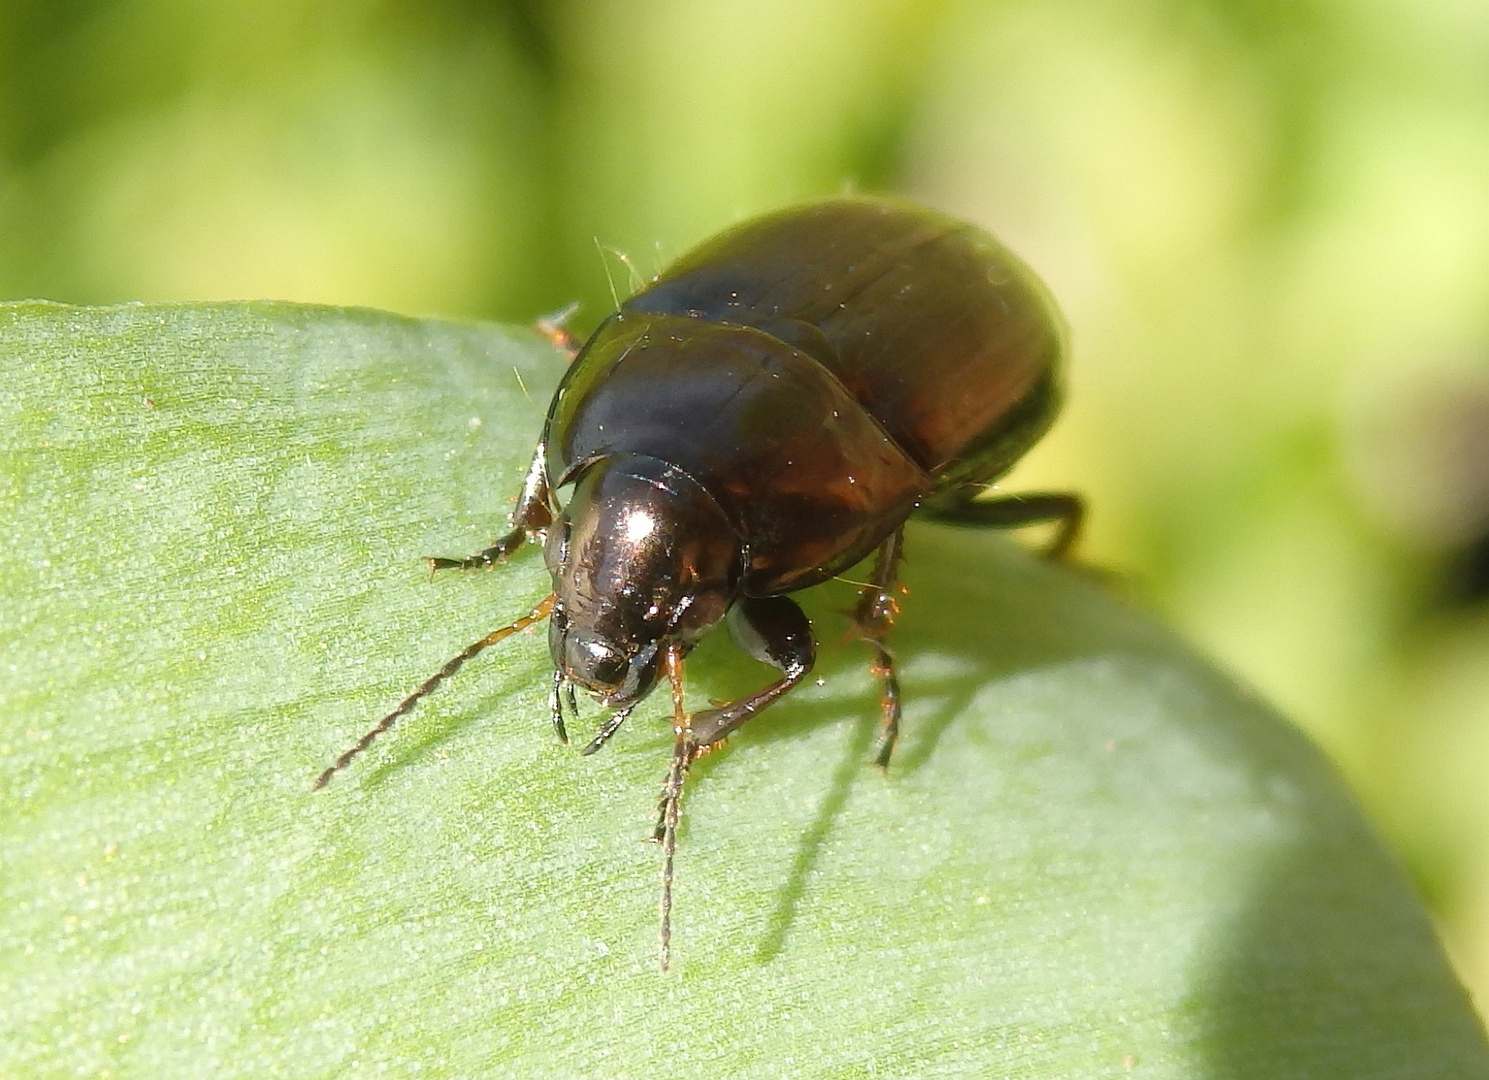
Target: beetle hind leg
[1064,509]
[877,608]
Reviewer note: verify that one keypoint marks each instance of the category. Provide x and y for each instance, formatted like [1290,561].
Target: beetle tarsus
[889,704]
[533,515]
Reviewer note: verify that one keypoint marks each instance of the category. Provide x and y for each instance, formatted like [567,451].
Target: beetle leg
[554,329]
[534,512]
[1066,509]
[774,631]
[873,618]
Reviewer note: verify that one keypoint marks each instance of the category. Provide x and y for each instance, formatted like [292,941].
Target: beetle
[765,414]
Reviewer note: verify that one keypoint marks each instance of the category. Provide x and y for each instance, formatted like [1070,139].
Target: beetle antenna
[537,614]
[683,752]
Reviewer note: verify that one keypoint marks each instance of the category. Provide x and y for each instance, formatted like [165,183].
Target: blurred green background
[1268,224]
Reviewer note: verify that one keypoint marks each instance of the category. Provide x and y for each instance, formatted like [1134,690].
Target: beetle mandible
[766,413]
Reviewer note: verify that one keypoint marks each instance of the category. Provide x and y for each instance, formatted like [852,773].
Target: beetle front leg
[774,631]
[534,511]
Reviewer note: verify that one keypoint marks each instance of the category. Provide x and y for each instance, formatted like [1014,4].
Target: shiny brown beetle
[761,417]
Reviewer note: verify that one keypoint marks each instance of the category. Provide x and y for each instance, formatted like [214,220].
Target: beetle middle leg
[874,616]
[534,512]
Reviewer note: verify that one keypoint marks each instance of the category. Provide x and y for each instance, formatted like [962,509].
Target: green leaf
[1092,856]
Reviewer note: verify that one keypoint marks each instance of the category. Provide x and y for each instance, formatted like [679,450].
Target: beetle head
[641,556]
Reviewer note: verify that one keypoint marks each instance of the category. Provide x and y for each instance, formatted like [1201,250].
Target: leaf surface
[1093,856]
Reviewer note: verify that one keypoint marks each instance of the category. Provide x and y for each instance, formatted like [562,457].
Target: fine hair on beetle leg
[538,614]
